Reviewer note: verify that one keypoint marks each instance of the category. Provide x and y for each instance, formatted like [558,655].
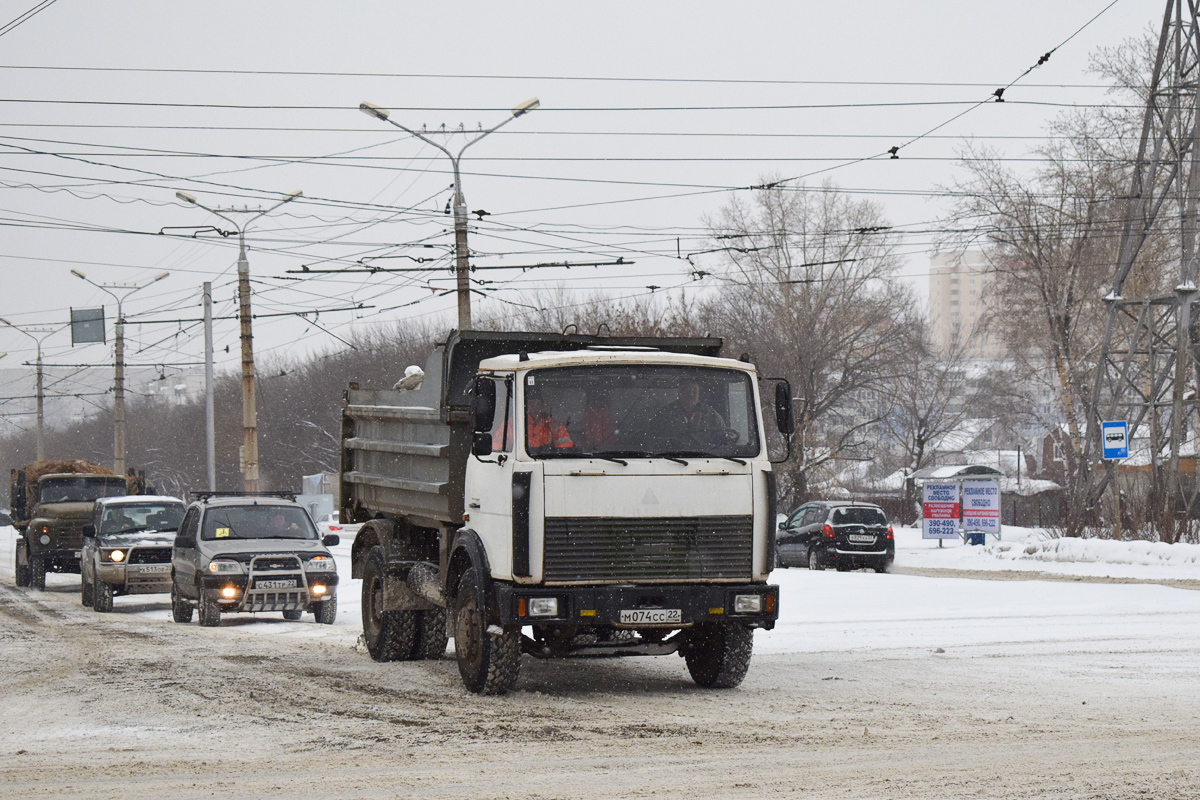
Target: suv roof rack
[205,496]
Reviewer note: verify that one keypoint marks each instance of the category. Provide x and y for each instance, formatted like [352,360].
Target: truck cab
[614,498]
[52,537]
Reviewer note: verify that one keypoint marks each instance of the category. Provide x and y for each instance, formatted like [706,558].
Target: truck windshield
[640,411]
[258,522]
[141,517]
[80,489]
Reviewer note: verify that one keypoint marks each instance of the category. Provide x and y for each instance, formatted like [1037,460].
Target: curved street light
[462,265]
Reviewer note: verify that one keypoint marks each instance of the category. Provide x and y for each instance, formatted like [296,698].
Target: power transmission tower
[1148,370]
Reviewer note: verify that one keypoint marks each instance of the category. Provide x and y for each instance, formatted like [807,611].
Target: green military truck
[51,502]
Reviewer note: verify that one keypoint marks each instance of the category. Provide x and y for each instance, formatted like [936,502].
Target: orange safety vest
[545,432]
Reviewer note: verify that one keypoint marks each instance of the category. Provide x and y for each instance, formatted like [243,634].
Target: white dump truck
[564,496]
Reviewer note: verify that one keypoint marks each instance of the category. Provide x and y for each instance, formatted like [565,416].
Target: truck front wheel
[390,635]
[718,653]
[37,572]
[22,572]
[489,657]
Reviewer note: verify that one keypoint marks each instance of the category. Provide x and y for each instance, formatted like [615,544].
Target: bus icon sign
[1115,439]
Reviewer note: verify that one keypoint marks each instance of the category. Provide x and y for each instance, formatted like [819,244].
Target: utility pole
[249,399]
[462,254]
[210,427]
[119,359]
[41,428]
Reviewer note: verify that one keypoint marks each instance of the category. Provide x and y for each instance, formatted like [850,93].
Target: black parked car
[829,533]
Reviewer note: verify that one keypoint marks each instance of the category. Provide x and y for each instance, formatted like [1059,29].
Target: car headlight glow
[229,592]
[318,589]
[114,556]
[320,564]
[747,603]
[224,566]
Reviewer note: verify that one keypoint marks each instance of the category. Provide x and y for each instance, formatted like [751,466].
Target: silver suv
[127,548]
[251,552]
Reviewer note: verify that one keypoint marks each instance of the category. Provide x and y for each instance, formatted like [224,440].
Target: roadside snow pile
[1034,550]
[1099,551]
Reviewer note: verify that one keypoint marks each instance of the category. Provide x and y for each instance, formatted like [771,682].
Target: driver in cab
[542,431]
[689,418]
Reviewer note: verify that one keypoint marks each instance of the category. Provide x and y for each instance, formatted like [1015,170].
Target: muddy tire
[489,658]
[37,572]
[181,610]
[389,635]
[210,612]
[431,635]
[718,654]
[102,597]
[326,611]
[87,591]
[20,572]
[293,614]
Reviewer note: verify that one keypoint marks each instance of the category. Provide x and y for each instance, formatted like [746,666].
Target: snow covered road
[871,686]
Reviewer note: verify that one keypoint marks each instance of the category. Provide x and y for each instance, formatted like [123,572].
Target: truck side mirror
[784,416]
[481,444]
[89,530]
[483,404]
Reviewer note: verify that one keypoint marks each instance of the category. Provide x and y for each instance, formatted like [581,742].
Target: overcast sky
[653,115]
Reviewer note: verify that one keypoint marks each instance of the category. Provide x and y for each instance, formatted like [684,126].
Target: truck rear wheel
[718,654]
[102,596]
[431,635]
[22,572]
[489,658]
[390,635]
[37,572]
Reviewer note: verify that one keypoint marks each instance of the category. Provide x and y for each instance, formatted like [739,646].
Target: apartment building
[958,285]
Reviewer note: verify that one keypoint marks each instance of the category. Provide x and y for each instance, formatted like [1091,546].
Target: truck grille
[596,549]
[150,555]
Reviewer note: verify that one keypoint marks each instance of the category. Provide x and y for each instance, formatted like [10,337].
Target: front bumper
[136,578]
[56,559]
[258,598]
[602,605]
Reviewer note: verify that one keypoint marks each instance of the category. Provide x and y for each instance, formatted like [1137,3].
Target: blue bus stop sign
[1115,436]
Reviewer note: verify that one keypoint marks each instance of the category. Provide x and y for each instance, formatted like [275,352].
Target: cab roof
[138,499]
[610,355]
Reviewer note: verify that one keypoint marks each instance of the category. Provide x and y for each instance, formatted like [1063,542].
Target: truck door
[489,486]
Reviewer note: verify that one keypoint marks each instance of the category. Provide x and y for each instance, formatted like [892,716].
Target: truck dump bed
[404,453]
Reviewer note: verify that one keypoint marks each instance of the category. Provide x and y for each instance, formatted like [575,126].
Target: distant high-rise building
[958,286]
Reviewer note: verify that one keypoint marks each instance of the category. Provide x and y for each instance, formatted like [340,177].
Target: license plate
[77,554]
[156,568]
[275,584]
[650,616]
[862,538]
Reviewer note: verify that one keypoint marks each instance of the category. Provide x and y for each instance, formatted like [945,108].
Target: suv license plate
[862,538]
[156,568]
[650,616]
[275,584]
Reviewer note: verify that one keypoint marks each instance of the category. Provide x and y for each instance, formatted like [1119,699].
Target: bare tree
[809,290]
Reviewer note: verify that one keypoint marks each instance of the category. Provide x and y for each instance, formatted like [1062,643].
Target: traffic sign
[1115,438]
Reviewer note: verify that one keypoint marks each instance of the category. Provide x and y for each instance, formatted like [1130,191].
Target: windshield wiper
[613,459]
[702,454]
[127,530]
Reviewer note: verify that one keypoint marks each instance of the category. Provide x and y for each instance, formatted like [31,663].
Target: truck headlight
[44,539]
[320,564]
[114,556]
[224,567]
[747,603]
[543,606]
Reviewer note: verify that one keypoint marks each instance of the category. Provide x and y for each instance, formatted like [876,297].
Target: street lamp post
[249,399]
[41,435]
[461,253]
[119,359]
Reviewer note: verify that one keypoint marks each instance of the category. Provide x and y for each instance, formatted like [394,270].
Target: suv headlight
[320,564]
[225,567]
[112,556]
